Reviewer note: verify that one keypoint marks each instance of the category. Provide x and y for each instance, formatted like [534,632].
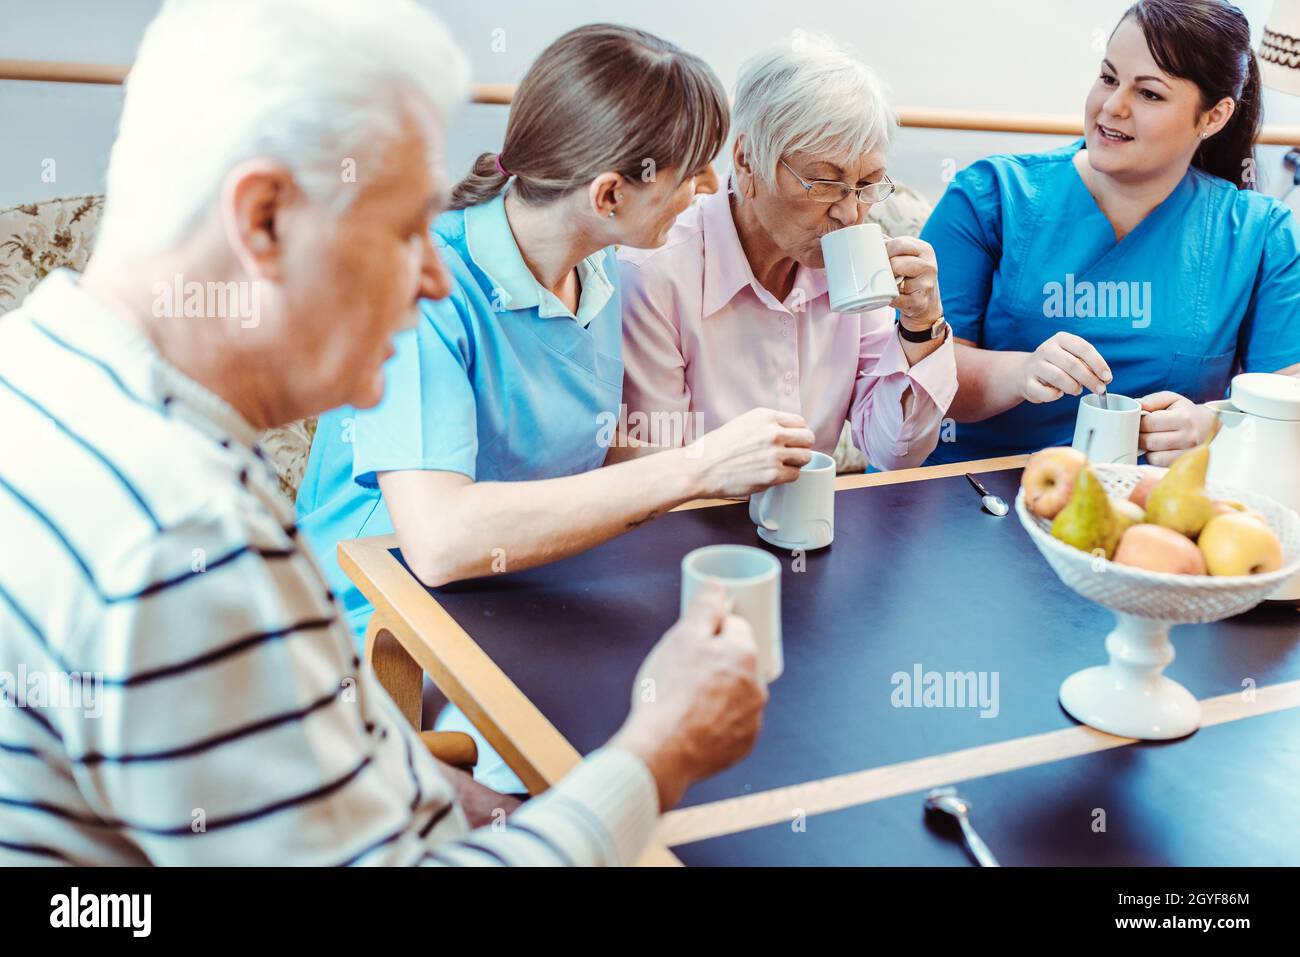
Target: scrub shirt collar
[492,246]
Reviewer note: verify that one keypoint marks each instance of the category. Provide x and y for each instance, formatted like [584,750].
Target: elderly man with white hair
[202,700]
[734,311]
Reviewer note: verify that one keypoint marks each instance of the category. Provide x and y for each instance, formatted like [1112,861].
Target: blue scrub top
[498,382]
[1206,286]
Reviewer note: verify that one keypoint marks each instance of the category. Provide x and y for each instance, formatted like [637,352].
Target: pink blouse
[702,340]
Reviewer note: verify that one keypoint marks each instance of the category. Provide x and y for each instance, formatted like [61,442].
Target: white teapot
[1258,446]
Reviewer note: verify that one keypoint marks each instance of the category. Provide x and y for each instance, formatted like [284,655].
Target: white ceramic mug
[752,579]
[799,514]
[857,268]
[1114,428]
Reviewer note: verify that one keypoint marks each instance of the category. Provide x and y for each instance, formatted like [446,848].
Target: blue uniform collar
[492,246]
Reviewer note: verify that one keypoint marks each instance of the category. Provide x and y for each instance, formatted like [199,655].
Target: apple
[1159,549]
[1049,479]
[1239,544]
[1226,506]
[1143,488]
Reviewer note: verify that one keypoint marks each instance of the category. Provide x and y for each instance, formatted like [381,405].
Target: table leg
[396,670]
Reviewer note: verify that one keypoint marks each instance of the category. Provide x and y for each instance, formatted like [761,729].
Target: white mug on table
[799,514]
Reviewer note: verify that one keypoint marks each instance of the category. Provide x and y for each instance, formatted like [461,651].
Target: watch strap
[935,330]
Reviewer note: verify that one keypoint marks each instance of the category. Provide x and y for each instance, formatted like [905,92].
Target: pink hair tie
[501,169]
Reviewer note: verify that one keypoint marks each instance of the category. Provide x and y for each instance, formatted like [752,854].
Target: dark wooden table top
[919,580]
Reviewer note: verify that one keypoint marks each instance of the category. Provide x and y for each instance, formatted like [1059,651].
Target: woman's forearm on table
[629,449]
[987,383]
[480,528]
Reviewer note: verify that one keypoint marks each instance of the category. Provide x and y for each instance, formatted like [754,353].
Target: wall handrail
[500,94]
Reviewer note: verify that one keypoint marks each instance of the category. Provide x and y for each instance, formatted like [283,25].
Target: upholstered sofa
[37,238]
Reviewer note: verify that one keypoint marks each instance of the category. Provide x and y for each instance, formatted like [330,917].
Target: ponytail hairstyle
[603,98]
[1208,42]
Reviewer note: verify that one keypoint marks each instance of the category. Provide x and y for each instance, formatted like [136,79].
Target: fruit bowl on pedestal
[1130,696]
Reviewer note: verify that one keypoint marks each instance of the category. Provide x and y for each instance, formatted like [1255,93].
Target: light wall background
[1021,55]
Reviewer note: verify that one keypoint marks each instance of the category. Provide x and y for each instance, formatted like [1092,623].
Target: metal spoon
[992,504]
[948,801]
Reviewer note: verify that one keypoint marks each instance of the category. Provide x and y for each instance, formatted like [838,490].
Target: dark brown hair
[603,98]
[1208,42]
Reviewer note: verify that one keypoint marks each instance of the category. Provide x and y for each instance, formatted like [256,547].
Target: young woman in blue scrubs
[485,453]
[1137,259]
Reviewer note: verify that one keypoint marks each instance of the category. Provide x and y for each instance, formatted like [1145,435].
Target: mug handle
[764,501]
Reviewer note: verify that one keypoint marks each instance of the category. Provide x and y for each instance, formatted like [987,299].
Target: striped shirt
[176,686]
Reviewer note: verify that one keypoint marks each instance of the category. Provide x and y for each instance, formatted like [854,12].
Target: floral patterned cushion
[903,214]
[37,238]
[288,447]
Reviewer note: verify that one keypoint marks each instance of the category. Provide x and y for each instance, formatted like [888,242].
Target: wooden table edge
[524,737]
[924,473]
[526,740]
[838,792]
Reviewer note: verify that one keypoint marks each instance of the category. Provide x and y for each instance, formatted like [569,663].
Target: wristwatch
[937,330]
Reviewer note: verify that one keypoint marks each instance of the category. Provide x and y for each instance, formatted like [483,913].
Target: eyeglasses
[830,191]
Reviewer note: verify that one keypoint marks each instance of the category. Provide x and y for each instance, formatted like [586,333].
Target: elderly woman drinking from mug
[733,312]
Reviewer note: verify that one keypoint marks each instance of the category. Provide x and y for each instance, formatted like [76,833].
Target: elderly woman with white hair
[733,312]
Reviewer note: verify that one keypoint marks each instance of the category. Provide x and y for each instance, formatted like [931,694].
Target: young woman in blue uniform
[1138,259]
[485,454]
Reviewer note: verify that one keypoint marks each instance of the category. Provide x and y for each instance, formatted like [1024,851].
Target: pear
[1127,514]
[1179,501]
[1088,520]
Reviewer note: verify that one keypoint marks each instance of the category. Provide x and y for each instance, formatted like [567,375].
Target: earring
[611,214]
[1205,136]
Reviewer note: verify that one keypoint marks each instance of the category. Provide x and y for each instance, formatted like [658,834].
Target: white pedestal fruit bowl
[1130,695]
